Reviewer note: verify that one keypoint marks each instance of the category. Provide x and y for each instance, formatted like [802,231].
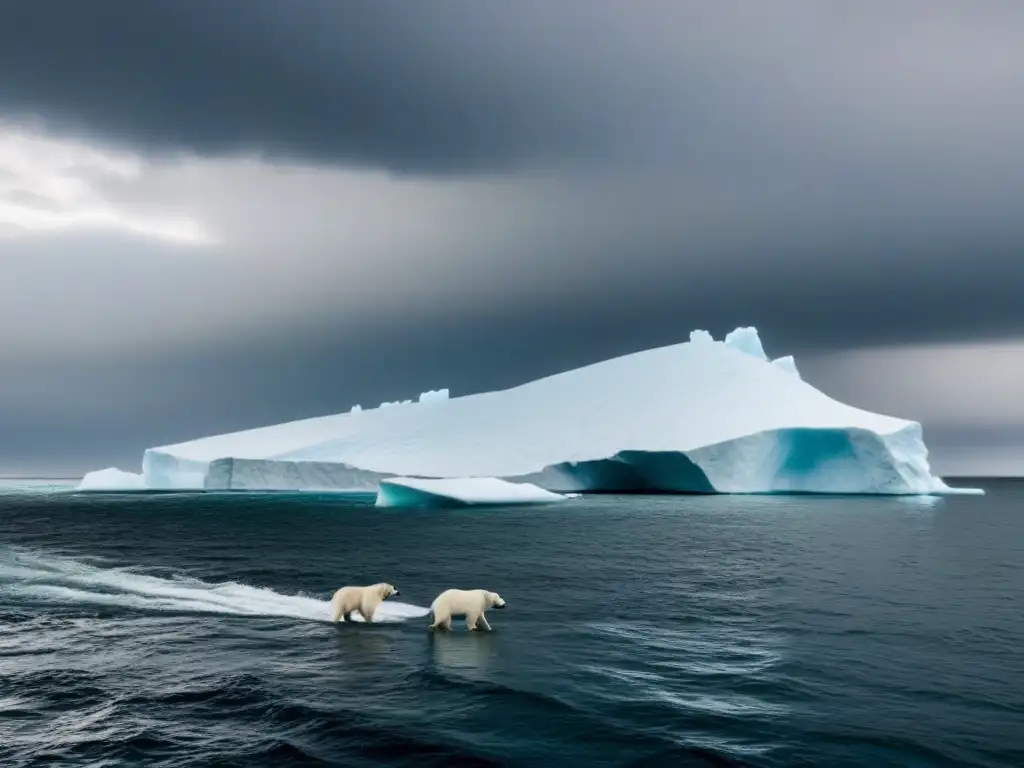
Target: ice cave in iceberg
[702,416]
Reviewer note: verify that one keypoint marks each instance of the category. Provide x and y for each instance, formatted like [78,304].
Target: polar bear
[471,603]
[366,600]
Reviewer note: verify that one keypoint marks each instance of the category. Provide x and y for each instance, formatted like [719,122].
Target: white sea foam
[39,577]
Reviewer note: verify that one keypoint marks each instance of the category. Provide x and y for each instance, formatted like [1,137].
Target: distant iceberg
[702,416]
[112,479]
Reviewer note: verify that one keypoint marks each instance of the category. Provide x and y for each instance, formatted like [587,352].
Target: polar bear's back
[458,601]
[350,594]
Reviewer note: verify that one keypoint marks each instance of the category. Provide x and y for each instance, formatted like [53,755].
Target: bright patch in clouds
[953,385]
[50,184]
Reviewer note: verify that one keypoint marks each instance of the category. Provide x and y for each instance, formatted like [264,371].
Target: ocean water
[192,629]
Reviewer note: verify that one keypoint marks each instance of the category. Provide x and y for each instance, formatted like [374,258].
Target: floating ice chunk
[356,408]
[434,395]
[700,337]
[460,491]
[112,479]
[395,402]
[787,364]
[746,341]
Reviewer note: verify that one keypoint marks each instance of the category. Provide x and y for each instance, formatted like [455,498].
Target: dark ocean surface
[192,629]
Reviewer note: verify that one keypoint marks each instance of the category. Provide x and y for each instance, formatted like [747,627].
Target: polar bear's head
[387,590]
[494,600]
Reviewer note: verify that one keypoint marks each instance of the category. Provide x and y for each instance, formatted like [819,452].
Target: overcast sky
[222,214]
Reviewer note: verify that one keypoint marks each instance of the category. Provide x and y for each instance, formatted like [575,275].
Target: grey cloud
[608,263]
[450,86]
[841,178]
[962,388]
[459,86]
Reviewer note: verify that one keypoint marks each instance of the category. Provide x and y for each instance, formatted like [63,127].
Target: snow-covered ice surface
[701,416]
[461,491]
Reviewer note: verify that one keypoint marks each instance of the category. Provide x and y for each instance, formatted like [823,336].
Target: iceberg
[701,416]
[111,479]
[467,491]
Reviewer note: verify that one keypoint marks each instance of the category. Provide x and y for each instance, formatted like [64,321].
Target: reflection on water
[468,653]
[924,502]
[358,641]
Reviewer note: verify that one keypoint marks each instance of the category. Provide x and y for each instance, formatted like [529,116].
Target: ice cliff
[702,416]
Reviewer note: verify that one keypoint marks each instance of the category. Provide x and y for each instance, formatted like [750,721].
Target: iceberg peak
[747,341]
[787,364]
[433,395]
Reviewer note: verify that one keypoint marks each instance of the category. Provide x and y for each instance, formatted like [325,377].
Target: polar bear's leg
[481,623]
[471,619]
[348,615]
[367,608]
[336,611]
[442,620]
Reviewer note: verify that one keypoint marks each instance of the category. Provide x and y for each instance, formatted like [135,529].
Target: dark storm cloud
[409,86]
[455,85]
[840,176]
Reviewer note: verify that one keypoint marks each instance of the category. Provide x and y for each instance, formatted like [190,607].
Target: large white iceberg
[697,417]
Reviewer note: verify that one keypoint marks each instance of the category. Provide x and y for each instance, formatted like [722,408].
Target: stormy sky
[217,215]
